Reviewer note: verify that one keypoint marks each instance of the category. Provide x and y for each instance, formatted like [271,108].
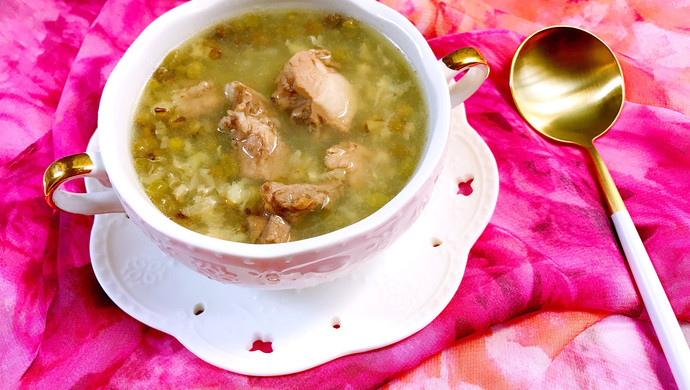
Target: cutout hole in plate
[436,242]
[263,346]
[335,323]
[465,187]
[199,309]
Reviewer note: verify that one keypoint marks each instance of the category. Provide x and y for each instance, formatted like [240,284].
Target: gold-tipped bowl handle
[72,167]
[476,68]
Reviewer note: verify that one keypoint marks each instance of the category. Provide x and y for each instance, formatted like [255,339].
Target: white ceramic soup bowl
[296,264]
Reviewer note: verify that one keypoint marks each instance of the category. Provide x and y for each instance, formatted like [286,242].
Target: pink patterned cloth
[546,301]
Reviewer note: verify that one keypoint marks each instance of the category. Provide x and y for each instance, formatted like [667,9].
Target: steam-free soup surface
[189,162]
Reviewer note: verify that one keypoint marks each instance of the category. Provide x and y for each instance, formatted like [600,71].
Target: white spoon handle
[665,324]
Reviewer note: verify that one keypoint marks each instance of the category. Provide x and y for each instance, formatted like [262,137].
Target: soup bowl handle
[470,61]
[71,167]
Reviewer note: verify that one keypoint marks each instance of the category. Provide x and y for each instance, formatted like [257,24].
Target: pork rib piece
[315,93]
[259,151]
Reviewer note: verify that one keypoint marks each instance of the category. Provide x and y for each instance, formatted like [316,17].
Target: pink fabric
[548,249]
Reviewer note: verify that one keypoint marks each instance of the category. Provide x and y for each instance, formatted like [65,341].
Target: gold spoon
[568,85]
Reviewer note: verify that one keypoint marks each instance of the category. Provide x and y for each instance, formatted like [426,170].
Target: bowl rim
[438,106]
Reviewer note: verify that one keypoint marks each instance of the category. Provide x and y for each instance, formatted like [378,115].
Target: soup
[278,125]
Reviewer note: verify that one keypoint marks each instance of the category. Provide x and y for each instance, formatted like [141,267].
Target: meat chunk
[270,229]
[315,93]
[293,201]
[352,158]
[257,148]
[198,100]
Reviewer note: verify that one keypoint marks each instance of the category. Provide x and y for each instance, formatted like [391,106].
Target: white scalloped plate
[390,298]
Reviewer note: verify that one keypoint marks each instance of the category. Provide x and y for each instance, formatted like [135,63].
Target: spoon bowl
[568,85]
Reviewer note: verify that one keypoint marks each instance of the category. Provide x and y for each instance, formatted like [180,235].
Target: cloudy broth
[186,163]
